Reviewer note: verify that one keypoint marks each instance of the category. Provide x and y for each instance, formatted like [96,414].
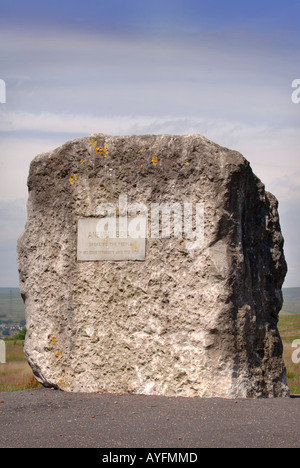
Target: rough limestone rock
[184,321]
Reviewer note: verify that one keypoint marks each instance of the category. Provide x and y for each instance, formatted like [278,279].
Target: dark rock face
[195,314]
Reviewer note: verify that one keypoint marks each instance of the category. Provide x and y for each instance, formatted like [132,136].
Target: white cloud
[188,74]
[15,156]
[12,219]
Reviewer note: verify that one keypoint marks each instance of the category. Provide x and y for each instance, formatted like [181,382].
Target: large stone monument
[152,264]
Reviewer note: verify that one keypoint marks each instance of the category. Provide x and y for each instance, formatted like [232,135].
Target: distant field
[291,301]
[11,305]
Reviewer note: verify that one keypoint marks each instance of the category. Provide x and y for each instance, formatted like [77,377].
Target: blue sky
[181,15]
[219,68]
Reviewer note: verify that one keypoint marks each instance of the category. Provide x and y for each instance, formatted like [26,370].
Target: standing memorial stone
[152,264]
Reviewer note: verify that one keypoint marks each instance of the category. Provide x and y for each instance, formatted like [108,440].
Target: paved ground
[50,418]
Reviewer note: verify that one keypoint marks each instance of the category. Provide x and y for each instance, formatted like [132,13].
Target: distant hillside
[291,301]
[12,306]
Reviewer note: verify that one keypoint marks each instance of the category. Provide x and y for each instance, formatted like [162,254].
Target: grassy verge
[289,328]
[16,374]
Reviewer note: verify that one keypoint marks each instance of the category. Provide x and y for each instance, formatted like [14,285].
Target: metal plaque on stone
[112,238]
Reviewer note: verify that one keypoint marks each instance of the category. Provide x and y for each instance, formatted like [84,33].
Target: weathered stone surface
[184,321]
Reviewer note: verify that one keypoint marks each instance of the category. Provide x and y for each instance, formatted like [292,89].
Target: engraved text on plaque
[111,238]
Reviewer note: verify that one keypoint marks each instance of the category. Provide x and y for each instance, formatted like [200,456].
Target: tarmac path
[42,418]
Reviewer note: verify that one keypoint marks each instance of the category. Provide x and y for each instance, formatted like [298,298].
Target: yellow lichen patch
[82,161]
[72,178]
[93,142]
[187,163]
[155,160]
[53,340]
[142,165]
[101,150]
[57,354]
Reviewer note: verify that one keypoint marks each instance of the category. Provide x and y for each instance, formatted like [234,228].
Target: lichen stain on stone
[72,179]
[155,160]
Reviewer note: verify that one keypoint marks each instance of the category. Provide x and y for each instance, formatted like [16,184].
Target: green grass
[289,327]
[291,301]
[16,374]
